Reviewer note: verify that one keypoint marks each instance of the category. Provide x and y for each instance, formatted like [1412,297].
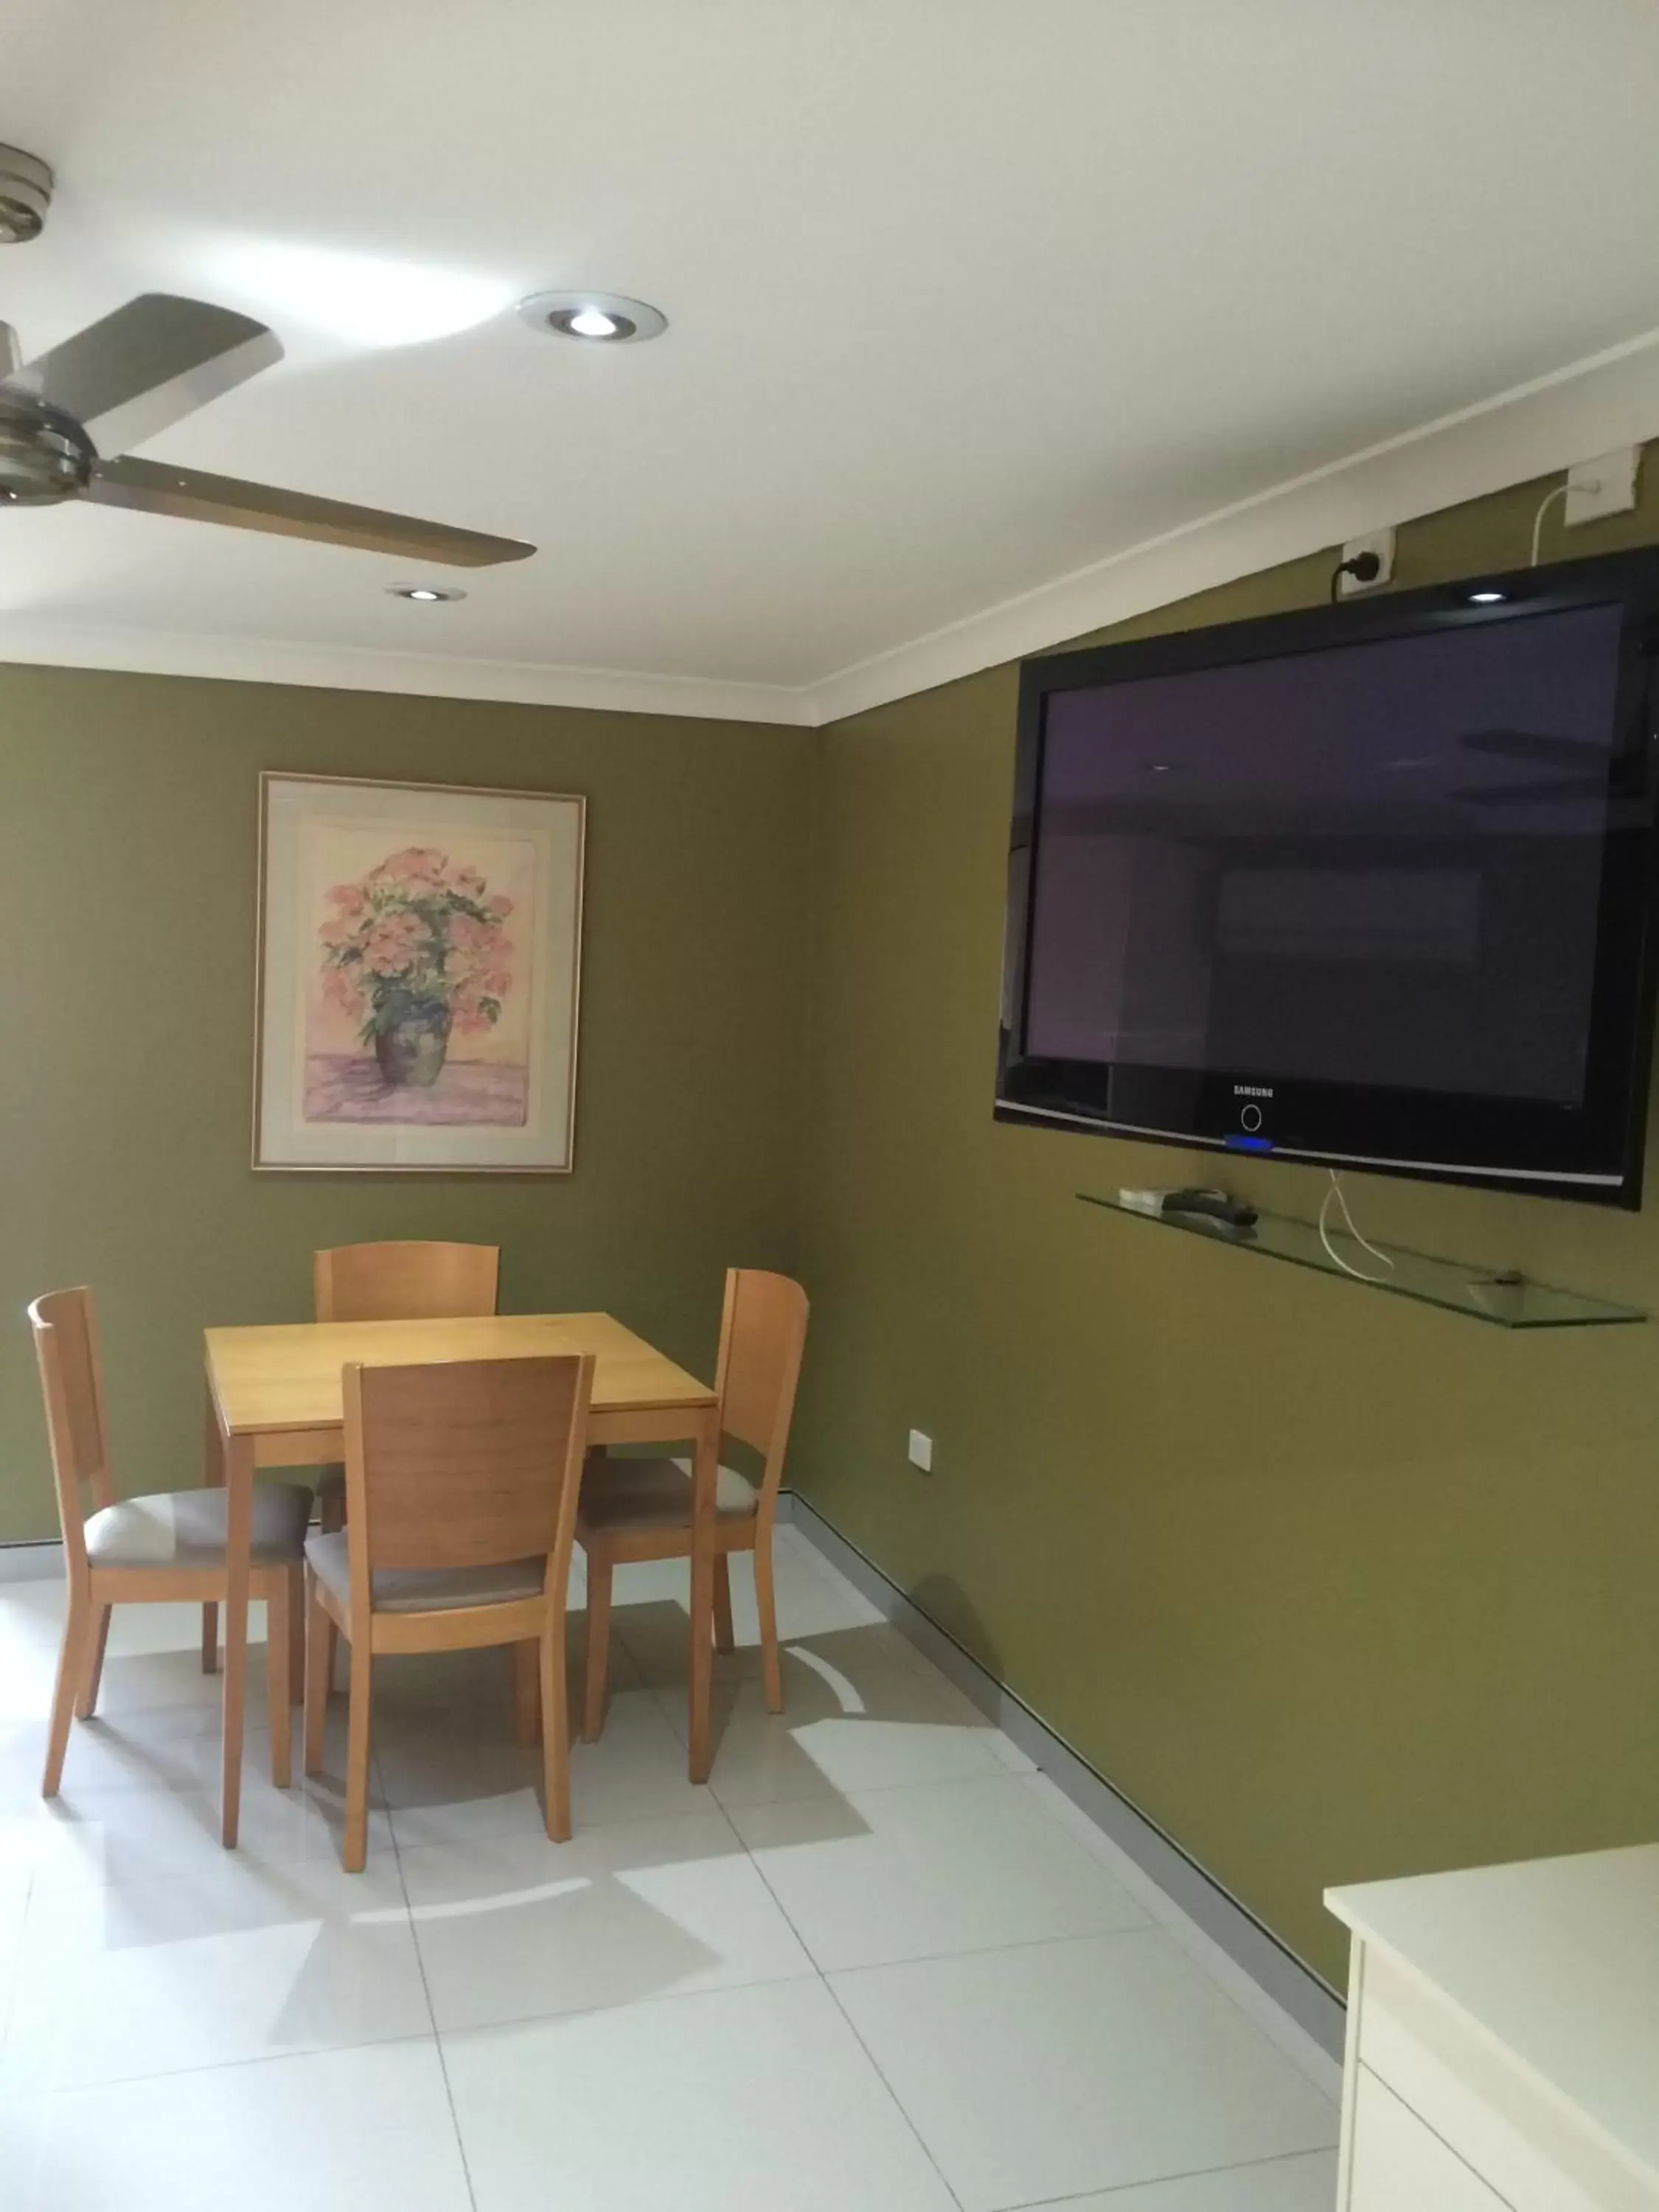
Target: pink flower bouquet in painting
[415,952]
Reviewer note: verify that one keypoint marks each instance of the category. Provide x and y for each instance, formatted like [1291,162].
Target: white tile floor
[880,1964]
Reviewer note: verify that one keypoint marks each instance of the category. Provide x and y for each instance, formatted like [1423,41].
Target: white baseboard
[31,1563]
[1301,2010]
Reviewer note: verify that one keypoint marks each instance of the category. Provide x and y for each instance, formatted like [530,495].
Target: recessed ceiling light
[1487,599]
[599,318]
[424,592]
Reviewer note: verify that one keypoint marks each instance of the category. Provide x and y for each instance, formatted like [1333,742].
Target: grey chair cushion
[186,1529]
[656,1493]
[423,1589]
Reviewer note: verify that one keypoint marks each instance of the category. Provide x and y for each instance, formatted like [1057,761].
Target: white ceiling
[965,295]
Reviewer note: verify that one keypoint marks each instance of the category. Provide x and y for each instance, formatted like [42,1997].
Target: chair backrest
[65,1328]
[405,1282]
[763,1336]
[464,1463]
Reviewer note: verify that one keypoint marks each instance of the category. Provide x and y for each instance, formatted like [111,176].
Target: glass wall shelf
[1506,1299]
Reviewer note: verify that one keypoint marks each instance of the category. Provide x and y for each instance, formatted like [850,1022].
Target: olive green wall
[128,824]
[1332,1585]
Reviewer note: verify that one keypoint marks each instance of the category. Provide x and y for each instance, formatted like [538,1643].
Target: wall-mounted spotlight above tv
[1370,885]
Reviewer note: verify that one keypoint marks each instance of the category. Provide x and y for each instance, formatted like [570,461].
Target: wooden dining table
[274,1400]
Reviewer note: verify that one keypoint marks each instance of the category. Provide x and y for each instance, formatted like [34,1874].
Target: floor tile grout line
[927,1671]
[916,1664]
[897,2101]
[13,1963]
[586,1829]
[978,1726]
[1240,2006]
[944,1782]
[1150,1927]
[1159,2180]
[997,1950]
[809,1972]
[34,2092]
[432,2015]
[875,1789]
[1175,1923]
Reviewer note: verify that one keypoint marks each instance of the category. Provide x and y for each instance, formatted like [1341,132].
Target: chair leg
[296,1637]
[278,1614]
[210,1638]
[359,1692]
[86,1703]
[725,1639]
[526,1695]
[71,1672]
[556,1731]
[317,1628]
[331,1514]
[766,1603]
[598,1648]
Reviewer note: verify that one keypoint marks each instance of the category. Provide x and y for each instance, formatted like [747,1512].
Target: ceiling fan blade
[195,496]
[151,363]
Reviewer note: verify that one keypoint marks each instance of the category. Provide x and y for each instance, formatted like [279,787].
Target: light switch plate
[1605,485]
[920,1451]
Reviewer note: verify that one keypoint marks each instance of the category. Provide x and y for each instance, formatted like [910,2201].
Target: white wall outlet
[1380,541]
[920,1451]
[1605,485]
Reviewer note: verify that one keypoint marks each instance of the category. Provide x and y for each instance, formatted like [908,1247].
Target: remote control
[1213,1205]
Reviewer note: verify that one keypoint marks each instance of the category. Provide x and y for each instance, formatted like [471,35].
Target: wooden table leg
[705,1467]
[238,1517]
[213,1474]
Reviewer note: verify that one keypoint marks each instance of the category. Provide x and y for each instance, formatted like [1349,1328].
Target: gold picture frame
[418,977]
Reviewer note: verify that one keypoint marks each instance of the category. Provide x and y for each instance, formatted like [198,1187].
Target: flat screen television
[1368,884]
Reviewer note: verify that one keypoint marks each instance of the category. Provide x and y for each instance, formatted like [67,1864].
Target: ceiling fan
[123,379]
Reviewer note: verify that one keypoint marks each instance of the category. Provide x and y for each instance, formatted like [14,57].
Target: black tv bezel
[1592,1152]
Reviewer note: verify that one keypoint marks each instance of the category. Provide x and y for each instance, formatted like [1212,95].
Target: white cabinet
[1503,2040]
[1399,2163]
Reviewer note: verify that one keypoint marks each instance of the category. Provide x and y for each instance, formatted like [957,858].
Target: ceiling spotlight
[600,318]
[1487,599]
[424,592]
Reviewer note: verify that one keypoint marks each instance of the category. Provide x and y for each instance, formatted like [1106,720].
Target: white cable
[1339,1195]
[1544,507]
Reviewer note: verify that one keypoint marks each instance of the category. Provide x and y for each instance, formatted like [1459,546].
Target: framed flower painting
[419,957]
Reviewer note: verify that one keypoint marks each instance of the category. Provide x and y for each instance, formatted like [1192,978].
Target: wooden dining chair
[411,1281]
[641,1509]
[462,1479]
[406,1281]
[151,1549]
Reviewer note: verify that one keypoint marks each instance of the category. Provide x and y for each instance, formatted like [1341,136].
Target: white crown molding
[41,642]
[1591,406]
